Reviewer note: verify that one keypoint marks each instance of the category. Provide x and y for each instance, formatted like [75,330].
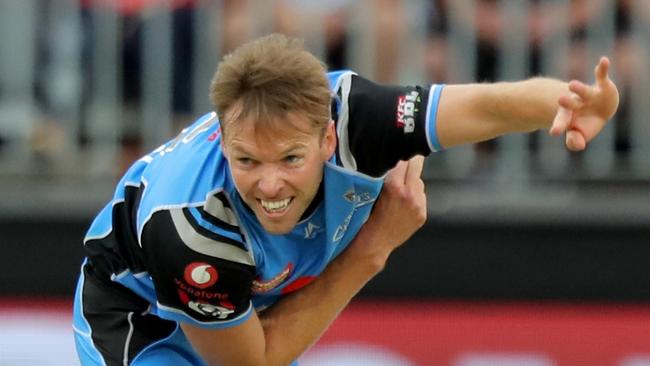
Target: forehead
[292,130]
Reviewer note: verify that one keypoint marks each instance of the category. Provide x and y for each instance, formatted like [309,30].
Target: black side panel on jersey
[386,124]
[120,320]
[120,249]
[223,289]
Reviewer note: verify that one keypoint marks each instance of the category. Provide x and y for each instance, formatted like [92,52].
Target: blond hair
[267,78]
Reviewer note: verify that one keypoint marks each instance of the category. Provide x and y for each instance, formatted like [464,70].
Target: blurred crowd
[331,24]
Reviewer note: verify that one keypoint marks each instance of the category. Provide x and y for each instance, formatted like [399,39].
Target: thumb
[575,141]
[561,121]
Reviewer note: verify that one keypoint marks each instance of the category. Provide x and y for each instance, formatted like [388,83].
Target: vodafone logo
[200,275]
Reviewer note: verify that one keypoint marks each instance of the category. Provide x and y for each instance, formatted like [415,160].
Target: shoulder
[199,262]
[336,78]
[185,171]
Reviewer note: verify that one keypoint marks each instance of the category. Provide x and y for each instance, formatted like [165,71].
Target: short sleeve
[201,270]
[378,125]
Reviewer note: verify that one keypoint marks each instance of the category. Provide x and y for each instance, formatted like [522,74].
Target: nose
[271,182]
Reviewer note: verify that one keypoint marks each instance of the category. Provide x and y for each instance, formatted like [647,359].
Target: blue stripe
[433,117]
[173,350]
[333,77]
[102,224]
[141,284]
[236,236]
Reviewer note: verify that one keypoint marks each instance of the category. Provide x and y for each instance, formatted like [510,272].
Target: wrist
[367,252]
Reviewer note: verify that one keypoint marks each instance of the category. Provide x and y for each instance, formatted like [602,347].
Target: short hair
[271,76]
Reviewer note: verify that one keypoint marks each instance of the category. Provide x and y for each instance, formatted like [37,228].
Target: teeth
[274,206]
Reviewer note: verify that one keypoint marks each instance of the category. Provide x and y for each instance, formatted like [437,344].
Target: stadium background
[531,255]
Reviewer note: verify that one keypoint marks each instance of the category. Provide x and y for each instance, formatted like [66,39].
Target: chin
[277,229]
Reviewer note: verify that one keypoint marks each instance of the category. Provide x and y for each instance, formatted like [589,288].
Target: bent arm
[379,125]
[283,332]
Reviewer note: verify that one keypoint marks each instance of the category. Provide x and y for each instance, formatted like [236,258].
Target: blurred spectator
[543,23]
[132,14]
[296,17]
[302,17]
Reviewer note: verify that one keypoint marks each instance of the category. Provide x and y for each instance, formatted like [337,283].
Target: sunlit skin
[278,172]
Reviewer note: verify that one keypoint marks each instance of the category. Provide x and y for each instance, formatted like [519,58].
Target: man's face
[277,173]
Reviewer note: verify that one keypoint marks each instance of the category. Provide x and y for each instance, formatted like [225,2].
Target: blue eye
[292,159]
[245,161]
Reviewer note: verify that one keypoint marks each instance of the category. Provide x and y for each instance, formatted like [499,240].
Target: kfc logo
[200,275]
[406,111]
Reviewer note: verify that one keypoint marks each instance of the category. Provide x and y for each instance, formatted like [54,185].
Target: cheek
[243,180]
[312,173]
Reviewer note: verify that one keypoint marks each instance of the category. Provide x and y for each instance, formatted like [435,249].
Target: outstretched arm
[284,331]
[475,112]
[381,124]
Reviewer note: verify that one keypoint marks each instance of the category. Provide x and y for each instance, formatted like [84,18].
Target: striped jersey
[177,233]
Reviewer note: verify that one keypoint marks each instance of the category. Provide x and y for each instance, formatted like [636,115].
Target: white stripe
[216,208]
[96,237]
[127,343]
[342,126]
[119,276]
[427,122]
[242,228]
[146,159]
[110,230]
[156,209]
[80,332]
[207,246]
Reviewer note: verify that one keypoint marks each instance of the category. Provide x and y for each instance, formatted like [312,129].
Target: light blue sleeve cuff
[432,117]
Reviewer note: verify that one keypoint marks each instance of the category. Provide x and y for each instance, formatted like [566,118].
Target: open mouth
[276,207]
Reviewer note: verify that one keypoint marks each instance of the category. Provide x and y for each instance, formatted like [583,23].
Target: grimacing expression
[277,171]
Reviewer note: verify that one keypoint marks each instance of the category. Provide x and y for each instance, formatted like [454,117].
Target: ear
[329,140]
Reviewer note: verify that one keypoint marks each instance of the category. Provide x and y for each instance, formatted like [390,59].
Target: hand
[399,212]
[582,114]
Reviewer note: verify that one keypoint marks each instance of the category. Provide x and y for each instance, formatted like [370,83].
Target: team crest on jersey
[312,230]
[200,275]
[260,286]
[358,198]
[406,109]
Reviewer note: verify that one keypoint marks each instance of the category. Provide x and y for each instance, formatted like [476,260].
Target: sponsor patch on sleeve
[406,109]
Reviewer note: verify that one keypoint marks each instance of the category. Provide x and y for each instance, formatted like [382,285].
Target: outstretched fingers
[602,71]
[583,112]
[582,90]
